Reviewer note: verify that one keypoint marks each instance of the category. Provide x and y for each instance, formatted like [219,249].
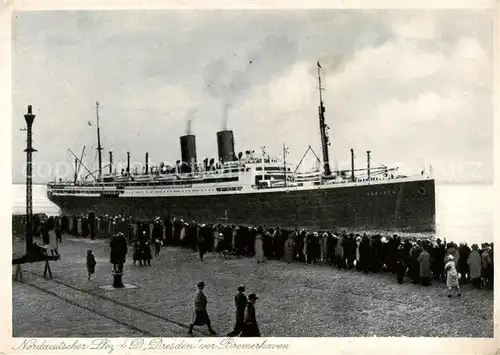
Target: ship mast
[99,148]
[285,149]
[323,127]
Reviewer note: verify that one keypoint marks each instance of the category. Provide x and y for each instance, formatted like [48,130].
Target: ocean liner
[254,189]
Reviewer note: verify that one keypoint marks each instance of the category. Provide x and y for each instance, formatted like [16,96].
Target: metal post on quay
[118,279]
[33,253]
[118,247]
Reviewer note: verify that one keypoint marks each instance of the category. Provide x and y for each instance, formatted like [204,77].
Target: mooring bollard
[117,279]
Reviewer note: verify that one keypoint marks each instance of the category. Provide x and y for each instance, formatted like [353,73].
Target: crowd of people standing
[422,260]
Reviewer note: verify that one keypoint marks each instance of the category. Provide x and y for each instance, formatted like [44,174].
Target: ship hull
[405,206]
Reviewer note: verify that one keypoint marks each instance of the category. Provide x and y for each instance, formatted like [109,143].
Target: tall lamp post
[29,117]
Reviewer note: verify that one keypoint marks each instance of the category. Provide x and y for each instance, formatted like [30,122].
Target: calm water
[463,212]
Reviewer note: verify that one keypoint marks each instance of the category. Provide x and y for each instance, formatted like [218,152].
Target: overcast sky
[414,87]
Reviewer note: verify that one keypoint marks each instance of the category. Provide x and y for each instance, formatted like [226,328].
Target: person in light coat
[324,247]
[233,239]
[452,276]
[216,239]
[424,260]
[474,262]
[305,247]
[289,246]
[358,255]
[182,234]
[219,247]
[52,245]
[98,223]
[151,227]
[452,250]
[339,253]
[79,228]
[70,225]
[259,250]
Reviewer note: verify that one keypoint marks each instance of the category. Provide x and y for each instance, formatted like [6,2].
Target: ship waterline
[400,204]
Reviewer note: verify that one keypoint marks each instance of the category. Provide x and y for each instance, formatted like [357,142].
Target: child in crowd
[452,276]
[90,263]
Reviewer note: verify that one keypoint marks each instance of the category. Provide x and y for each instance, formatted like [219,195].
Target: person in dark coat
[350,251]
[200,315]
[462,265]
[168,232]
[157,243]
[279,243]
[401,264]
[58,231]
[365,254]
[200,241]
[146,254]
[267,245]
[74,226]
[250,326]
[377,257]
[331,243]
[437,256]
[239,242]
[91,225]
[137,253]
[240,301]
[299,246]
[85,227]
[64,224]
[91,263]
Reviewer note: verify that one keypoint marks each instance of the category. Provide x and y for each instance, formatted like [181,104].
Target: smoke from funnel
[189,120]
[225,118]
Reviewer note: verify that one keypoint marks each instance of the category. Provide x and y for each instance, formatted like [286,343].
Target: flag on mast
[90,124]
[319,65]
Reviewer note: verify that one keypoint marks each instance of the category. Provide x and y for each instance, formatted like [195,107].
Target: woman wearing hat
[424,261]
[358,255]
[200,315]
[259,249]
[137,253]
[487,265]
[474,263]
[339,252]
[240,301]
[451,276]
[289,246]
[220,244]
[250,326]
